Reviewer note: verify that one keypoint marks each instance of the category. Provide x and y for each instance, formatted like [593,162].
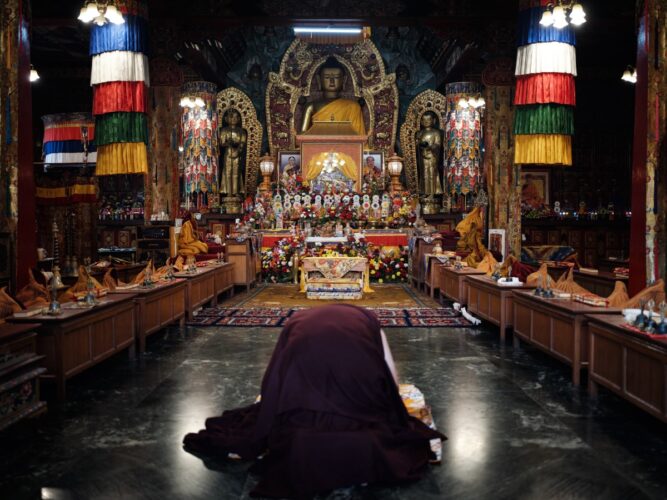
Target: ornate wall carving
[429,100]
[291,86]
[233,98]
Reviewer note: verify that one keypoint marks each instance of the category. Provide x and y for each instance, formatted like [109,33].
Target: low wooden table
[224,279]
[157,307]
[199,289]
[432,276]
[454,284]
[558,327]
[20,369]
[632,365]
[601,283]
[491,301]
[80,338]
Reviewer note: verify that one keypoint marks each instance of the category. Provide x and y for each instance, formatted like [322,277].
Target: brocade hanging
[199,127]
[462,140]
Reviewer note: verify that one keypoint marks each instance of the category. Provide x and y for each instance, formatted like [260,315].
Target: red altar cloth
[381,240]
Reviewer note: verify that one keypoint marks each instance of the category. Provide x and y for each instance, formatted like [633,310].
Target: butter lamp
[395,167]
[266,167]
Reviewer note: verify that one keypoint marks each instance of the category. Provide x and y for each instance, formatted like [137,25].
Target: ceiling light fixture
[34,76]
[630,75]
[330,30]
[557,14]
[192,102]
[101,13]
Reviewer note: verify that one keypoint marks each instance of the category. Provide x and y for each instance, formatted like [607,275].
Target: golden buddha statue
[332,79]
[429,154]
[233,139]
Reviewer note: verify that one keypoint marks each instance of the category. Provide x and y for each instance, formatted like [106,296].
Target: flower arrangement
[278,261]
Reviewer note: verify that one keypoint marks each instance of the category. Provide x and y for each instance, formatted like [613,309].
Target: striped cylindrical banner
[69,138]
[546,66]
[120,77]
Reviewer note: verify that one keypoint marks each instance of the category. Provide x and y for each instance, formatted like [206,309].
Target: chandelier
[192,102]
[556,14]
[476,101]
[101,13]
[630,75]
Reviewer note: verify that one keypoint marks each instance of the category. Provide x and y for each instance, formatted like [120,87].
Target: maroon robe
[330,415]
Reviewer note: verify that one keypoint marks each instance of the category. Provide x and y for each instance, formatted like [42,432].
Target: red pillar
[26,230]
[639,152]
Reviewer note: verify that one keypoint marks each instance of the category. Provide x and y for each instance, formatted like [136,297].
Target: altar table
[157,307]
[631,364]
[491,301]
[454,284]
[558,327]
[82,337]
[390,239]
[328,277]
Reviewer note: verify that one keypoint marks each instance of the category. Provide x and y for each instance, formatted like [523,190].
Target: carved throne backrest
[233,98]
[429,100]
[291,87]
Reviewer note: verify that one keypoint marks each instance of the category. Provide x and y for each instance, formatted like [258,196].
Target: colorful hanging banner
[552,57]
[122,158]
[121,127]
[543,149]
[544,119]
[544,88]
[531,31]
[199,126]
[120,66]
[114,97]
[462,140]
[131,36]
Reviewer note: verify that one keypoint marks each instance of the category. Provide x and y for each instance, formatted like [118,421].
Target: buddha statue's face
[427,120]
[233,119]
[331,79]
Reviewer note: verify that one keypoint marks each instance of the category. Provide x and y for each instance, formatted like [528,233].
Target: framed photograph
[535,188]
[497,242]
[289,173]
[372,169]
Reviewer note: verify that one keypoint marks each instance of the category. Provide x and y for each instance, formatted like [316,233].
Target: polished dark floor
[517,427]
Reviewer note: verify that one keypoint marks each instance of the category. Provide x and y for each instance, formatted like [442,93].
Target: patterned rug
[287,296]
[424,317]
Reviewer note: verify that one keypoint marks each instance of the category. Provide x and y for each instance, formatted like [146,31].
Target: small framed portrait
[497,242]
[372,169]
[289,173]
[535,188]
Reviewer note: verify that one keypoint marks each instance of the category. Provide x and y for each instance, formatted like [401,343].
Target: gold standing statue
[331,107]
[428,141]
[233,139]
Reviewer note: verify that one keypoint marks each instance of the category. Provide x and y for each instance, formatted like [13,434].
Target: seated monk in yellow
[332,78]
[471,238]
[188,238]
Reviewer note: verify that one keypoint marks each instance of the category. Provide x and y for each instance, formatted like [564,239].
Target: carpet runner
[424,317]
